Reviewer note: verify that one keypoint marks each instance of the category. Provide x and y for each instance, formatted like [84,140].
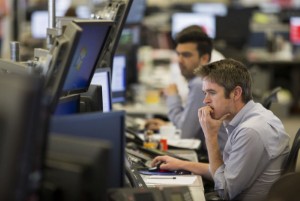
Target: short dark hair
[228,73]
[195,34]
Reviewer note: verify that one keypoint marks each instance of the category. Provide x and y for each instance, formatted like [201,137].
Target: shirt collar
[239,116]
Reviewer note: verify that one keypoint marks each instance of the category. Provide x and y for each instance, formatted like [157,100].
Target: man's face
[188,59]
[215,98]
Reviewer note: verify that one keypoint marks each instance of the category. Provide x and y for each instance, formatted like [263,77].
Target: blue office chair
[291,162]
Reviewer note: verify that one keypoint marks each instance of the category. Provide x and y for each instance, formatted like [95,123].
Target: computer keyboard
[156,152]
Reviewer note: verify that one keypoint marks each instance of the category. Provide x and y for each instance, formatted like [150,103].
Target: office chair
[286,188]
[290,164]
[270,98]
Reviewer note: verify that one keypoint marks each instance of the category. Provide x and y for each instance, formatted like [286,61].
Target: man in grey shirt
[257,144]
[193,48]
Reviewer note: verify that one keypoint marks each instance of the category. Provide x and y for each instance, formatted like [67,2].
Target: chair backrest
[286,188]
[290,165]
[267,101]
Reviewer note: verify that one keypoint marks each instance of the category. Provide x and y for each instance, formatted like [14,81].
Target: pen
[161,178]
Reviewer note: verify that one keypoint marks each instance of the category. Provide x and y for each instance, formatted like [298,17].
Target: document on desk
[171,180]
[185,143]
[179,143]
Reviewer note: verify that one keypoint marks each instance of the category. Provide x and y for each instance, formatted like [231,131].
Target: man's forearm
[214,155]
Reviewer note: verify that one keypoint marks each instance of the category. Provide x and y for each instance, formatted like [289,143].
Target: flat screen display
[102,78]
[85,59]
[295,30]
[39,24]
[118,85]
[183,20]
[219,9]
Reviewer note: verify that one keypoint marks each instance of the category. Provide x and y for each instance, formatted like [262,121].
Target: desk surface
[143,109]
[196,188]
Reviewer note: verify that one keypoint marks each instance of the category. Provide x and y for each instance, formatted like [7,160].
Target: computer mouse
[155,168]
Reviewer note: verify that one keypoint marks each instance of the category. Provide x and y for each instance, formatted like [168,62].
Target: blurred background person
[3,14]
[193,48]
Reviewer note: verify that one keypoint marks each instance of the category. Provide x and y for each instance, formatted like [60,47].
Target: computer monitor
[214,8]
[118,84]
[61,52]
[23,123]
[119,11]
[98,125]
[76,167]
[83,11]
[295,30]
[234,28]
[39,24]
[102,78]
[137,12]
[183,20]
[68,105]
[84,60]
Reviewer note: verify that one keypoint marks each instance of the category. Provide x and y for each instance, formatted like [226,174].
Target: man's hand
[154,124]
[168,163]
[209,125]
[171,90]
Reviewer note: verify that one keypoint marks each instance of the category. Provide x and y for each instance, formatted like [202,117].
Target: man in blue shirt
[193,48]
[257,144]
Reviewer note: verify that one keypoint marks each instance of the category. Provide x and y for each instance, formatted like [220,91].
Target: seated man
[193,48]
[257,144]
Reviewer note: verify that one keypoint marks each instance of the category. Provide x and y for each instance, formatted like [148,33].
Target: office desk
[196,188]
[145,110]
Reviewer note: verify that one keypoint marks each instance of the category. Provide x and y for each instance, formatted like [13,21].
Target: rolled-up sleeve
[244,160]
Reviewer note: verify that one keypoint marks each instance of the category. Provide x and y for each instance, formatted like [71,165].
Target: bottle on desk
[149,141]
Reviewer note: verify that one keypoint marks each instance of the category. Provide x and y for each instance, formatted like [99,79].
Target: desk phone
[177,193]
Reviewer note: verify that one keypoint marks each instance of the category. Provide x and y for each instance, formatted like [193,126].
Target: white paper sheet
[171,180]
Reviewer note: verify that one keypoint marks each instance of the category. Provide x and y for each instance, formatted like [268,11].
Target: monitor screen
[183,20]
[83,11]
[39,24]
[295,30]
[105,126]
[136,12]
[118,84]
[84,60]
[219,9]
[68,105]
[102,78]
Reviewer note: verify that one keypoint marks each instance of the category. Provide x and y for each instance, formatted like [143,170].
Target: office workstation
[78,94]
